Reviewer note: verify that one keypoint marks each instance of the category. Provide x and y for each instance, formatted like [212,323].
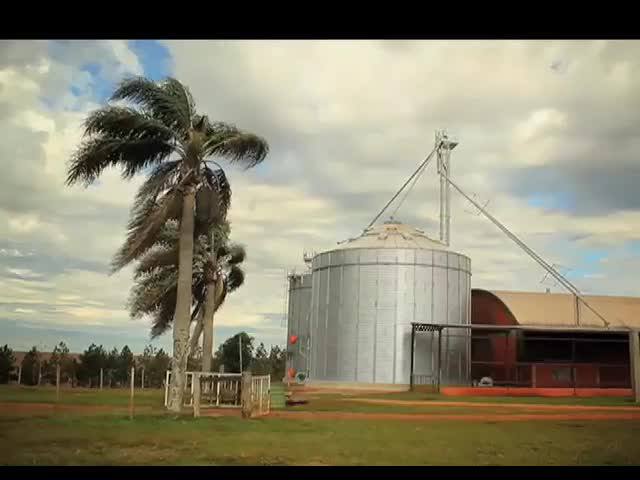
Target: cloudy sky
[547,131]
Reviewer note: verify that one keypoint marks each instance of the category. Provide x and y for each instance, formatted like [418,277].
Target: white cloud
[24,272]
[24,310]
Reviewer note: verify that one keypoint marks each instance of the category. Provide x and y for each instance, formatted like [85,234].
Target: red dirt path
[413,417]
[526,406]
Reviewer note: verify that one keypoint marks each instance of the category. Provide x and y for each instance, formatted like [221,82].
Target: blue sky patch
[562,201]
[154,57]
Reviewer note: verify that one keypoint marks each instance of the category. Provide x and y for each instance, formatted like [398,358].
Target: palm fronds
[169,101]
[99,153]
[236,146]
[144,227]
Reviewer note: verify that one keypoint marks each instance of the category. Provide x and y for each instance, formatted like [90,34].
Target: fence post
[58,383]
[634,351]
[196,394]
[133,377]
[533,375]
[247,404]
[166,388]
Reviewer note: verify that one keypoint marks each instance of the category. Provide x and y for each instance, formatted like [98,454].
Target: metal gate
[261,394]
[216,389]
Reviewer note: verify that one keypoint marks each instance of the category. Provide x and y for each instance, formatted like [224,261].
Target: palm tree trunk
[197,331]
[182,314]
[207,339]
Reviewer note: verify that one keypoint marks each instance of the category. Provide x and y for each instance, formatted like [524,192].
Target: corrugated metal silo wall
[363,303]
[298,320]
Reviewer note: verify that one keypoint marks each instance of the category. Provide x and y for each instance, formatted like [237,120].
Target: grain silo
[366,294]
[298,320]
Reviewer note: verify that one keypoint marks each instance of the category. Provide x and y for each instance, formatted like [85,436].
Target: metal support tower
[444,145]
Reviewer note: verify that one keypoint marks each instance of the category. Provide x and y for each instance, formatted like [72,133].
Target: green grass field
[155,438]
[81,396]
[233,441]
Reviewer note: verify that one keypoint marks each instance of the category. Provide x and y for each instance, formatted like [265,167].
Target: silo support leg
[439,358]
[413,354]
[634,352]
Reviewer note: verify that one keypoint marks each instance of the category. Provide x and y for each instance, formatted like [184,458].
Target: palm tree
[222,274]
[154,291]
[162,131]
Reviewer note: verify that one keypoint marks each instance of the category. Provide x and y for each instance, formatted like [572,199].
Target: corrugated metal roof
[393,235]
[561,309]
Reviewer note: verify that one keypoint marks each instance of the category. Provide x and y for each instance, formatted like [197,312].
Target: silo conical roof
[393,234]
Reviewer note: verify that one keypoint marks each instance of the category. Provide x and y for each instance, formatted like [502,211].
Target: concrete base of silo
[355,387]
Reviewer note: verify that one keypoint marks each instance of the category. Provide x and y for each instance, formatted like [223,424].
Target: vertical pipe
[574,373]
[442,198]
[439,357]
[133,379]
[413,348]
[447,170]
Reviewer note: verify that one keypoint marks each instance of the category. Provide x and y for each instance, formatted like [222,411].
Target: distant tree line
[257,360]
[84,371]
